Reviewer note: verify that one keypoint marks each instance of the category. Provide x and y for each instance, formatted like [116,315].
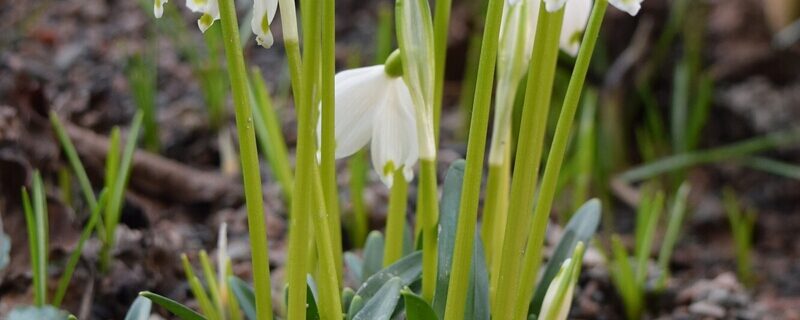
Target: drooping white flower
[209,9]
[158,8]
[263,13]
[372,105]
[630,6]
[576,16]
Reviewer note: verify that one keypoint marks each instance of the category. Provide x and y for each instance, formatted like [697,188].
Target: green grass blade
[676,217]
[74,161]
[181,311]
[33,240]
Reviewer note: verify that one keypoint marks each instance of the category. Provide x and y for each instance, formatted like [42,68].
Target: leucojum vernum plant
[395,107]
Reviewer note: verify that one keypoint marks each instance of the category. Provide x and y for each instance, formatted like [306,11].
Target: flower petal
[263,13]
[210,10]
[158,8]
[576,17]
[630,6]
[394,134]
[554,5]
[358,94]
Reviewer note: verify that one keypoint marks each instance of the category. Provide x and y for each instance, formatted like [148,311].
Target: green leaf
[38,313]
[140,309]
[355,306]
[448,220]
[417,308]
[354,266]
[373,255]
[244,294]
[580,228]
[347,297]
[408,269]
[477,305]
[181,311]
[382,304]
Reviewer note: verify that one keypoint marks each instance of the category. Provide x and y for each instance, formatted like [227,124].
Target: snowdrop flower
[374,104]
[209,9]
[263,13]
[576,16]
[158,8]
[630,6]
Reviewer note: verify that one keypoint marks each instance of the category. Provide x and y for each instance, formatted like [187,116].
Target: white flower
[554,5]
[557,301]
[374,106]
[263,13]
[158,8]
[576,16]
[630,6]
[209,9]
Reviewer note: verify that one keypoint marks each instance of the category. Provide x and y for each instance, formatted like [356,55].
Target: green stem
[396,222]
[251,173]
[328,143]
[357,166]
[533,253]
[538,92]
[441,23]
[495,216]
[428,211]
[468,210]
[330,304]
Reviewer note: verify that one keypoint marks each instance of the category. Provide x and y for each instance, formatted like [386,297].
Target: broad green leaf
[354,266]
[38,313]
[382,304]
[140,309]
[417,308]
[580,228]
[244,294]
[373,255]
[448,219]
[181,311]
[408,269]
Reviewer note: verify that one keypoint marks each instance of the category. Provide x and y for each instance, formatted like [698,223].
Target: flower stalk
[395,223]
[558,148]
[468,210]
[536,107]
[251,173]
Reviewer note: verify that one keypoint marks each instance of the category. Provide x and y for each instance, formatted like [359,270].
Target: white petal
[394,134]
[630,6]
[554,5]
[196,5]
[263,13]
[158,8]
[576,16]
[210,10]
[358,94]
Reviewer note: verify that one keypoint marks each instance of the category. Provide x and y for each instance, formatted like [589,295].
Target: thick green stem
[428,211]
[251,173]
[396,222]
[468,210]
[328,143]
[533,253]
[441,23]
[495,216]
[541,74]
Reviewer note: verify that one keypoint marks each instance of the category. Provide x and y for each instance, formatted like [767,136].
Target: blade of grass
[732,151]
[676,216]
[33,245]
[74,161]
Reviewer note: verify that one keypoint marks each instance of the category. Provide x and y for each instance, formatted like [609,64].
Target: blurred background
[703,91]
